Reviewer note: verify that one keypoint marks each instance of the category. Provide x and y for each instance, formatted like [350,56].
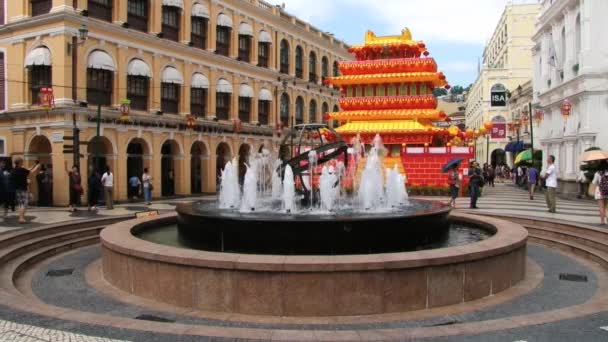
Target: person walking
[583,184]
[75,183]
[454,180]
[532,181]
[95,188]
[147,186]
[491,176]
[9,188]
[475,182]
[134,187]
[20,178]
[600,180]
[550,177]
[108,188]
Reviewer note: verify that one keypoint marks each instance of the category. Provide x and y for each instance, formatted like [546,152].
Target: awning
[245,91]
[38,56]
[245,29]
[514,146]
[172,75]
[265,95]
[224,20]
[223,86]
[101,60]
[200,81]
[174,3]
[137,67]
[199,10]
[264,37]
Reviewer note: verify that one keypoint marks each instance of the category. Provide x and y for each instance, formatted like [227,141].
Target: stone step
[581,250]
[577,237]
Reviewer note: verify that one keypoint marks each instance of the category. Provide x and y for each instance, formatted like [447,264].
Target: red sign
[499,131]
[46,97]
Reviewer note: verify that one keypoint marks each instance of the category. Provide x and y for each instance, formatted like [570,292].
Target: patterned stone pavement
[13,332]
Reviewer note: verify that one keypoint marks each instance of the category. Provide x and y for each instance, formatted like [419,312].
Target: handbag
[150,187]
[591,190]
[78,188]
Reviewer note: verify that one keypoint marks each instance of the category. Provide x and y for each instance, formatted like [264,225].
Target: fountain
[302,236]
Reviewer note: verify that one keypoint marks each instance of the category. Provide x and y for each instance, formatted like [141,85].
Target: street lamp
[83,34]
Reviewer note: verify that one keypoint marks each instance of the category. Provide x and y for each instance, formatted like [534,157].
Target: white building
[571,62]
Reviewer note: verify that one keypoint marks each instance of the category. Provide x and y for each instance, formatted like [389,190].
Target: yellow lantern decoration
[483,130]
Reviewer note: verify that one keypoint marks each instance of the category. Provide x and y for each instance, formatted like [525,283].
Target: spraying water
[328,188]
[250,188]
[230,194]
[371,194]
[396,193]
[289,191]
[312,165]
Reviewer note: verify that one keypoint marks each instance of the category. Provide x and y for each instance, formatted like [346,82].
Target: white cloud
[463,21]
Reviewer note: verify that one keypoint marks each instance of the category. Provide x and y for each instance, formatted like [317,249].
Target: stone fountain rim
[120,238]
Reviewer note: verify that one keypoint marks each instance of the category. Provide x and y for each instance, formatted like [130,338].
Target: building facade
[507,63]
[207,81]
[570,63]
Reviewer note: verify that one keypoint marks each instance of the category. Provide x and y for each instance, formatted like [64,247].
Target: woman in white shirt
[601,196]
[108,188]
[147,184]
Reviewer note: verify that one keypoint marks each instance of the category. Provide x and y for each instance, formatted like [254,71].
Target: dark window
[324,67]
[285,110]
[299,111]
[223,41]
[222,106]
[40,77]
[284,58]
[263,112]
[169,97]
[198,102]
[263,54]
[100,9]
[312,111]
[244,47]
[2,5]
[170,27]
[324,110]
[244,109]
[138,15]
[99,86]
[312,68]
[299,63]
[2,82]
[336,123]
[336,69]
[199,32]
[137,92]
[40,7]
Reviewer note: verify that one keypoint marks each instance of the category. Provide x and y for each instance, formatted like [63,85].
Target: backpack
[604,184]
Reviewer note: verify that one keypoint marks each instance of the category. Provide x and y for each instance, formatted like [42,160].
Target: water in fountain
[396,194]
[230,193]
[370,193]
[277,184]
[312,165]
[329,188]
[250,187]
[289,191]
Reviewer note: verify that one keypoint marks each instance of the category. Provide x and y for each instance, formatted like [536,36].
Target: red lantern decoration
[279,129]
[488,126]
[566,108]
[46,98]
[448,87]
[426,53]
[538,116]
[190,121]
[236,125]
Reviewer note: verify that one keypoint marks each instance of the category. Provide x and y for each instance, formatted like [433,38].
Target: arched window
[324,110]
[200,22]
[285,110]
[223,31]
[100,9]
[100,77]
[324,67]
[336,71]
[264,101]
[199,88]
[138,81]
[170,89]
[299,110]
[284,57]
[170,21]
[38,62]
[223,96]
[137,14]
[299,62]
[562,57]
[312,111]
[336,123]
[577,38]
[312,67]
[40,7]
[264,41]
[245,96]
[245,38]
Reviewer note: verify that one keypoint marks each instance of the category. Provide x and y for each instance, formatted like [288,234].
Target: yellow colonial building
[207,81]
[507,63]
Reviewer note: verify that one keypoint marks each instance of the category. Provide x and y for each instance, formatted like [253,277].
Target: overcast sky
[455,32]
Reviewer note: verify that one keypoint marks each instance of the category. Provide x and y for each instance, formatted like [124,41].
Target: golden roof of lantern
[405,38]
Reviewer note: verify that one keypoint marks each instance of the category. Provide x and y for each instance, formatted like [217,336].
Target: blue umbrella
[451,164]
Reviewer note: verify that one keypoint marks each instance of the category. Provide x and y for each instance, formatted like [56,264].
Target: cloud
[464,21]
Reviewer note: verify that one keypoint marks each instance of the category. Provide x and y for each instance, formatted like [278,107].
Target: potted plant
[575,68]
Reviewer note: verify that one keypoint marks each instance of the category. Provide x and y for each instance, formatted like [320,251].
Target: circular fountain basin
[313,285]
[306,232]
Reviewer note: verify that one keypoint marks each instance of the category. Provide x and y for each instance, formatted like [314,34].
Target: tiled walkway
[13,332]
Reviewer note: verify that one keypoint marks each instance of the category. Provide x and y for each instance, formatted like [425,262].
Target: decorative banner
[498,96]
[499,131]
[46,98]
[125,109]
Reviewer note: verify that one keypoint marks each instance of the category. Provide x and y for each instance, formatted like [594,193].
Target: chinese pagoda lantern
[566,108]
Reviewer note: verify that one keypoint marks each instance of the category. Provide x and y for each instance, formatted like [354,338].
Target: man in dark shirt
[20,177]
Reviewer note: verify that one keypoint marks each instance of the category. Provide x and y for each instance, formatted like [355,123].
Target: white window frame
[3,153]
